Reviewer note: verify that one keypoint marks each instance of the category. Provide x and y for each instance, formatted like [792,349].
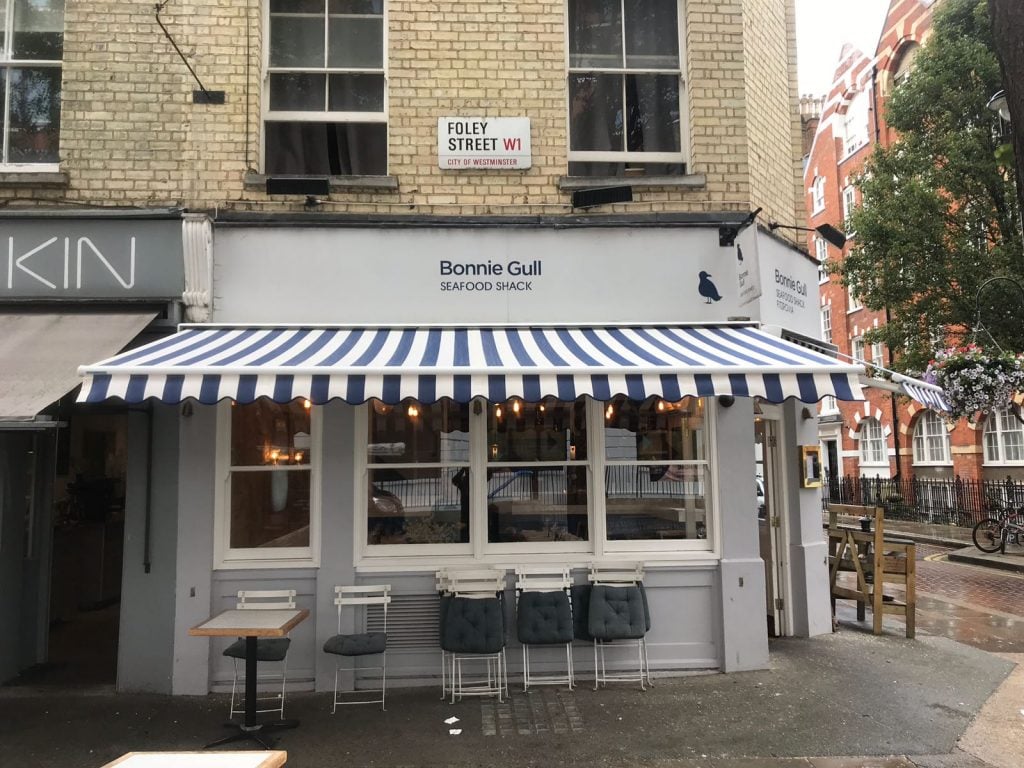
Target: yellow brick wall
[773,114]
[131,135]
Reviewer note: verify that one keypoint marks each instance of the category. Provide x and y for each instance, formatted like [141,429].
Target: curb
[1001,562]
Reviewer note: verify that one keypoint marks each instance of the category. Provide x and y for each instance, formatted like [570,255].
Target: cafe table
[254,759]
[252,624]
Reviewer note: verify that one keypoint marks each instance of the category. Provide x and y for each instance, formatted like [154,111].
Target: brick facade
[132,137]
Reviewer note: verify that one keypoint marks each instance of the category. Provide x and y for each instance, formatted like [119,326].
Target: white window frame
[7,62]
[873,442]
[326,116]
[826,323]
[829,404]
[224,556]
[382,557]
[853,302]
[998,426]
[818,194]
[849,201]
[856,133]
[931,441]
[857,348]
[821,251]
[681,157]
[877,354]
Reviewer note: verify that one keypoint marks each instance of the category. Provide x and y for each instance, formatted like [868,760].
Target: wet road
[978,606]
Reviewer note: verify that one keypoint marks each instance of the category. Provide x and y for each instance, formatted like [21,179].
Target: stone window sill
[689,181]
[258,182]
[36,179]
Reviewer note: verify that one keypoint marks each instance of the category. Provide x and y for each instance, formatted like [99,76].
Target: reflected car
[384,503]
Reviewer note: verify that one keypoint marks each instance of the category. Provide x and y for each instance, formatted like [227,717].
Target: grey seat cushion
[267,648]
[473,625]
[544,618]
[361,644]
[617,613]
[581,611]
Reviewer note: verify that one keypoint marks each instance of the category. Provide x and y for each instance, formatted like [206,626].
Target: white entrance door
[770,522]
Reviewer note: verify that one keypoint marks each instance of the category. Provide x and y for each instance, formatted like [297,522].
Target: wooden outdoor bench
[875,560]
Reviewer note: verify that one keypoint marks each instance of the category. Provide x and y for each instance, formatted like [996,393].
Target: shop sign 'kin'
[483,143]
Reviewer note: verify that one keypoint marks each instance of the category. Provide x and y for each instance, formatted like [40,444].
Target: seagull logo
[707,289]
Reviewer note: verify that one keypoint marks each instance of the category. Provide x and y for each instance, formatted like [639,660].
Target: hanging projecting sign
[483,143]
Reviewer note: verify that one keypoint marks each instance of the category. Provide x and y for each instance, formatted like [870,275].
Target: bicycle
[993,533]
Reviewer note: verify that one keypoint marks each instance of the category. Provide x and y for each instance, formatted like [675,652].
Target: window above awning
[41,352]
[210,363]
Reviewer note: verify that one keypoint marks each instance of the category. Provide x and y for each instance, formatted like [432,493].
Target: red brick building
[889,434]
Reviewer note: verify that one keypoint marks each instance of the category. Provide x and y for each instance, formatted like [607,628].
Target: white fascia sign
[483,143]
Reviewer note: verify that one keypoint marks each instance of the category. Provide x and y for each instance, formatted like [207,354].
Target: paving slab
[884,698]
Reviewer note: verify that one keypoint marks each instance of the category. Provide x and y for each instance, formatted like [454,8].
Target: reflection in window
[418,473]
[31,49]
[656,469]
[624,88]
[536,471]
[270,474]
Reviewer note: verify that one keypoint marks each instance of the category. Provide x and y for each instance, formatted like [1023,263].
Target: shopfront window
[1004,438]
[537,471]
[655,470]
[418,474]
[625,79]
[268,510]
[326,95]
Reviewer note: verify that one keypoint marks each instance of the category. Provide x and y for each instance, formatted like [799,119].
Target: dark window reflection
[34,115]
[335,149]
[38,30]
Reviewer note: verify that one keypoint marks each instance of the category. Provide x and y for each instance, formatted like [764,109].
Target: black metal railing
[954,501]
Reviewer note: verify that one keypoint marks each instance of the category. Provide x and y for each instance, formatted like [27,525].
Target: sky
[823,27]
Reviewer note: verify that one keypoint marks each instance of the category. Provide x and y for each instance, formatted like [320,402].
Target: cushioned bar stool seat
[267,648]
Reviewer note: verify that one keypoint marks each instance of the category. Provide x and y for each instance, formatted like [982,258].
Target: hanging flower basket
[977,381]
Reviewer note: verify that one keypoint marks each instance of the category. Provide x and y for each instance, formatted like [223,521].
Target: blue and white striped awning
[929,395]
[242,363]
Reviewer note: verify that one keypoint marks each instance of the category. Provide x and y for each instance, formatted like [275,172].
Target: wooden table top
[251,622]
[211,759]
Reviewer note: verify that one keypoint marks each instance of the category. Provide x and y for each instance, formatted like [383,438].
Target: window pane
[418,433]
[35,115]
[356,93]
[652,38]
[370,7]
[270,509]
[418,506]
[266,433]
[548,431]
[334,149]
[595,33]
[541,503]
[38,29]
[296,41]
[297,6]
[595,113]
[297,92]
[653,108]
[356,43]
[654,430]
[655,501]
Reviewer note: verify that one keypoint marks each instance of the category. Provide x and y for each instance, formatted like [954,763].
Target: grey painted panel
[192,590]
[76,259]
[146,642]
[13,448]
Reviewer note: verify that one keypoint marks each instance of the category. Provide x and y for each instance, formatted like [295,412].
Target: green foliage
[940,213]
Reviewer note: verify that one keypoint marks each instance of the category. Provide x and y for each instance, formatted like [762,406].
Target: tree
[939,214]
[1007,23]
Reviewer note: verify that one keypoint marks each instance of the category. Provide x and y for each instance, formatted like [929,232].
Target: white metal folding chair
[473,631]
[268,649]
[544,618]
[622,584]
[358,644]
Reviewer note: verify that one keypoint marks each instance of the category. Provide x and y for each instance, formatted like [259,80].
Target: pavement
[844,700]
